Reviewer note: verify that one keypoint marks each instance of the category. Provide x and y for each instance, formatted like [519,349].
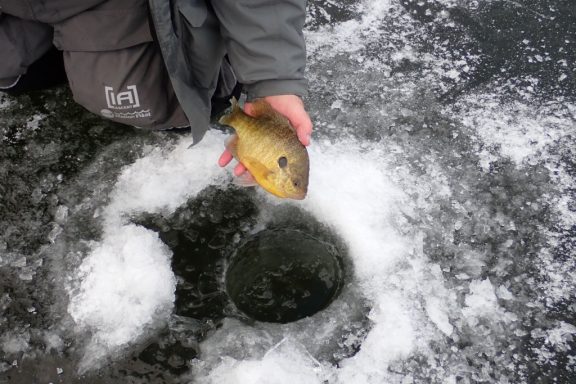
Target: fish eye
[296,183]
[282,162]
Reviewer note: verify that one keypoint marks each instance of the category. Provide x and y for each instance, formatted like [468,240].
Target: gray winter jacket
[26,34]
[262,38]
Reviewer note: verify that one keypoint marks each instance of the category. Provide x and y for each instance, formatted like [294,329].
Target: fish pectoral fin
[231,144]
[245,180]
[256,168]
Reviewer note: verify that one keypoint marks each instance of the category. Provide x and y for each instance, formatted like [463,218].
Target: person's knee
[46,72]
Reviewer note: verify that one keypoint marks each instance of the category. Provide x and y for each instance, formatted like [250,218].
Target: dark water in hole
[473,104]
[282,275]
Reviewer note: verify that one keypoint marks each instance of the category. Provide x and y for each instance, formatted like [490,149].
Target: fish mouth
[283,194]
[298,196]
[292,195]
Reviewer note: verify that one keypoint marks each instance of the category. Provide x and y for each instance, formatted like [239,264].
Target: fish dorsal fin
[262,109]
[229,117]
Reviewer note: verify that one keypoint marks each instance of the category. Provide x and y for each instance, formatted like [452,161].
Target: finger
[303,126]
[225,158]
[239,169]
[248,108]
[301,122]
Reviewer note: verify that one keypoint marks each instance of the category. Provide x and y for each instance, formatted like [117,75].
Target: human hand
[292,107]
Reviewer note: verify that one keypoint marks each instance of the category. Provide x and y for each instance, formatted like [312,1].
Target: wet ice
[459,215]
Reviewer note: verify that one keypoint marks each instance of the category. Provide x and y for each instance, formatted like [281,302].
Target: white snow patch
[126,285]
[349,36]
[360,206]
[164,179]
[34,122]
[514,129]
[393,337]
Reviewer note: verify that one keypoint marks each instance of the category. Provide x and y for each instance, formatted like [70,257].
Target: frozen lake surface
[442,171]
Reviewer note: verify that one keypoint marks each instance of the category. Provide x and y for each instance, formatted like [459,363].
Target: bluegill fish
[267,145]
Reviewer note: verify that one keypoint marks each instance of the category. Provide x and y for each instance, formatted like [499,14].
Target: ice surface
[370,199]
[459,216]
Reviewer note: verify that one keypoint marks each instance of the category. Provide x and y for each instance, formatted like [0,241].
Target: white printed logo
[123,100]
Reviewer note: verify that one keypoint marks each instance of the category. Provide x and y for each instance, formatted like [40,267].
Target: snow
[164,179]
[126,285]
[352,209]
[392,337]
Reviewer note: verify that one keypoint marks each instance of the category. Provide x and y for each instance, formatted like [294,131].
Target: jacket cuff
[275,87]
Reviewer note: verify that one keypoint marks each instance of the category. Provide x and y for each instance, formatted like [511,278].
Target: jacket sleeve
[265,43]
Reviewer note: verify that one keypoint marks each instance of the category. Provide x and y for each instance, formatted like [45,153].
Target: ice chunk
[53,342]
[286,363]
[14,343]
[61,214]
[21,262]
[438,315]
[482,298]
[54,233]
[126,285]
[482,302]
[504,294]
[337,104]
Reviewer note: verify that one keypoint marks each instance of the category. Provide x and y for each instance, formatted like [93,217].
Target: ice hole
[283,275]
